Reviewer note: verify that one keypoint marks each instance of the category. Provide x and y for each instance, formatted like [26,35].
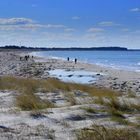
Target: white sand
[60,122]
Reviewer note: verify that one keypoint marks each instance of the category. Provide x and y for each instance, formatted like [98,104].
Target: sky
[70,23]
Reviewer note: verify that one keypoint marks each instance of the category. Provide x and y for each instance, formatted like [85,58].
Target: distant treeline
[64,49]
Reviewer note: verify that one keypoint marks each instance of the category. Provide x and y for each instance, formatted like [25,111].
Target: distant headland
[14,47]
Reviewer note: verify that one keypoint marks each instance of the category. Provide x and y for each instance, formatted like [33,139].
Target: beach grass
[71,98]
[96,132]
[27,99]
[123,106]
[115,104]
[51,85]
[28,87]
[90,109]
[29,102]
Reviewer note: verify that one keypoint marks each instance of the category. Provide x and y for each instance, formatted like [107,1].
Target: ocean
[125,60]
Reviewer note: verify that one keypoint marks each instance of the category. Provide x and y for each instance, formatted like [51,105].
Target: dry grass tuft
[115,104]
[52,84]
[90,109]
[101,133]
[27,87]
[70,97]
[123,106]
[31,102]
[131,94]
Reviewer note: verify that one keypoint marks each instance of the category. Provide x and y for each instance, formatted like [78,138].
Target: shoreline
[108,66]
[116,79]
[39,67]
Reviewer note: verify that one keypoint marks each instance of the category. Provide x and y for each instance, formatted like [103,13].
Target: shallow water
[83,77]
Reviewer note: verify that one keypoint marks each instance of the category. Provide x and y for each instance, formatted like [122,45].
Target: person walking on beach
[26,57]
[68,59]
[75,60]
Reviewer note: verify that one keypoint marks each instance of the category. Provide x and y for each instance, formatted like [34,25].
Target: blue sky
[70,23]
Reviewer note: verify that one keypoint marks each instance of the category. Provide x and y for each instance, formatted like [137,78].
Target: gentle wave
[123,60]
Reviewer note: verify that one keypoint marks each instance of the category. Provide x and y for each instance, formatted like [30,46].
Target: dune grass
[27,88]
[29,102]
[102,133]
[113,103]
[26,100]
[99,100]
[51,85]
[117,105]
[131,94]
[123,106]
[13,83]
[89,109]
[117,109]
[71,98]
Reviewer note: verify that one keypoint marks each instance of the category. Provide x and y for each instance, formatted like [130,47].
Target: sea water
[125,60]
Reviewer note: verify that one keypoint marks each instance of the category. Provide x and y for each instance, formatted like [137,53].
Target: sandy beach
[71,111]
[39,68]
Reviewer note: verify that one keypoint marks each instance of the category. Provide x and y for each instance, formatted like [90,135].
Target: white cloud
[15,21]
[125,29]
[20,27]
[30,27]
[135,9]
[136,32]
[55,39]
[25,24]
[70,30]
[108,24]
[41,39]
[75,17]
[55,26]
[58,37]
[96,30]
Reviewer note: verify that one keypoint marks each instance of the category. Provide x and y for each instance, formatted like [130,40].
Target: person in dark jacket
[75,60]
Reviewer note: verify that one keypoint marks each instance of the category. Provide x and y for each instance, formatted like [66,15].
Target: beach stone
[38,116]
[114,78]
[80,75]
[70,75]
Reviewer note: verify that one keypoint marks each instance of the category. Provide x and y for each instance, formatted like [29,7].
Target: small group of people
[26,57]
[75,60]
